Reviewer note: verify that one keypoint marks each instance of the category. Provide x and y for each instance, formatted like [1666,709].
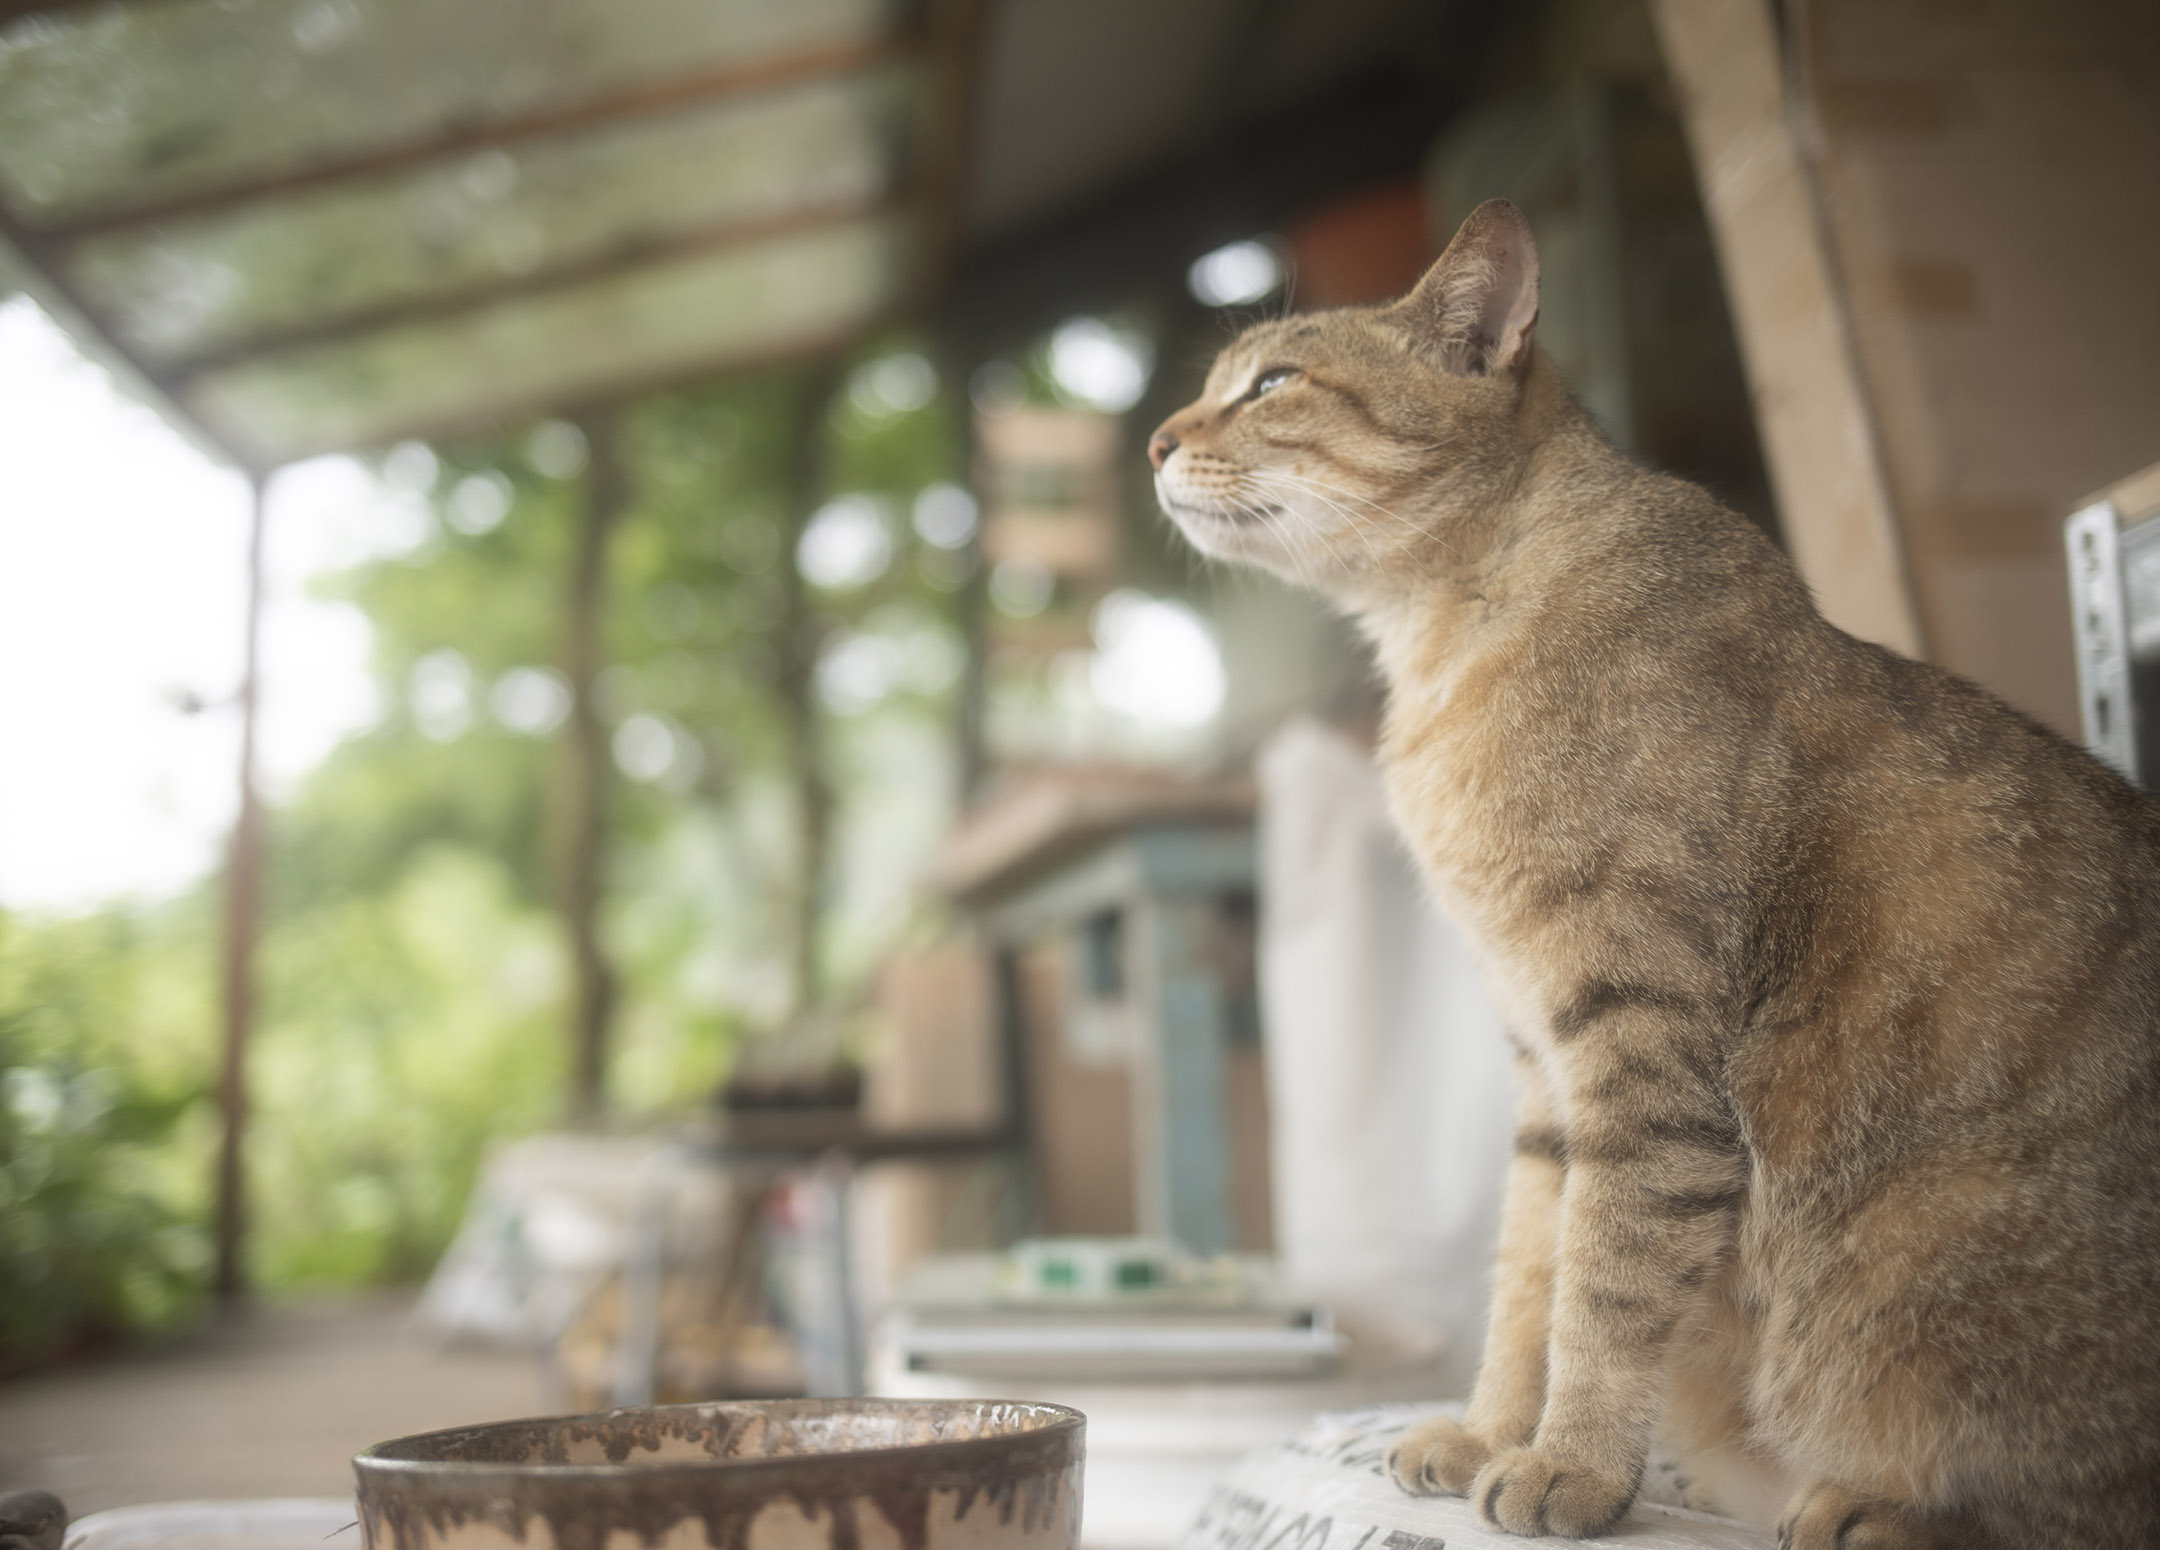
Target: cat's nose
[1161,445]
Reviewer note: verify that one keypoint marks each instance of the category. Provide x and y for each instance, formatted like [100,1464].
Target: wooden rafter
[626,258]
[33,268]
[607,392]
[16,10]
[693,90]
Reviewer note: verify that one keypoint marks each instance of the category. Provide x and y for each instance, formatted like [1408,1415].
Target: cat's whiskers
[1314,487]
[1360,524]
[1299,484]
[1272,520]
[1358,527]
[1304,549]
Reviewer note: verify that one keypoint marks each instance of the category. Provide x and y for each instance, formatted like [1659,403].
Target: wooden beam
[971,606]
[15,10]
[943,136]
[25,261]
[602,393]
[20,261]
[630,256]
[692,90]
[1820,433]
[945,140]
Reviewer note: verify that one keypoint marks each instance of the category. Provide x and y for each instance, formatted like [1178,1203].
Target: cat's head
[1338,448]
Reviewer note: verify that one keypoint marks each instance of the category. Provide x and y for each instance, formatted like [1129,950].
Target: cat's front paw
[1526,1491]
[1438,1458]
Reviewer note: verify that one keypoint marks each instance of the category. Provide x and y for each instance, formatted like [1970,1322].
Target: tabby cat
[1834,981]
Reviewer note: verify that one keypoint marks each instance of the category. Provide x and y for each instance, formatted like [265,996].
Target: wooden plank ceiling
[314,224]
[309,225]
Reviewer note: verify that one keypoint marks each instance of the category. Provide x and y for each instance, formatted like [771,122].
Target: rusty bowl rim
[1065,1423]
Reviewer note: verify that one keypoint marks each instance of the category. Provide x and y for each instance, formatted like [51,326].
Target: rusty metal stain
[824,1455]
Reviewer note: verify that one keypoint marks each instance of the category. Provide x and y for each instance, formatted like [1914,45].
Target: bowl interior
[722,1431]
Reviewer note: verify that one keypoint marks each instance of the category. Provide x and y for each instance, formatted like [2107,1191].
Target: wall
[1985,183]
[1992,175]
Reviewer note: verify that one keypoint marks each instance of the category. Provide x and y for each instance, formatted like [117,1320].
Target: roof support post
[957,364]
[802,638]
[581,774]
[243,911]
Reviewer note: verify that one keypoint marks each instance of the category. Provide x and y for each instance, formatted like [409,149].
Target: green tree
[413,976]
[104,1126]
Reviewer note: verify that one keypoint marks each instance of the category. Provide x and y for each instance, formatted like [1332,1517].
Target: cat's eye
[1271,379]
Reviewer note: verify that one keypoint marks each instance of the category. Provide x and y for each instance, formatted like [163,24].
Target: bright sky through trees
[121,573]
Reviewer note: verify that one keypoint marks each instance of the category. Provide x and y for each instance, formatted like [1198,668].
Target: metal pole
[243,900]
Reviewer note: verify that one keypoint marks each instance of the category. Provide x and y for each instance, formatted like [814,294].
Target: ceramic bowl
[797,1474]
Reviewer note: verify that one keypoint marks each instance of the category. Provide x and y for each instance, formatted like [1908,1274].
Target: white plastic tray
[288,1523]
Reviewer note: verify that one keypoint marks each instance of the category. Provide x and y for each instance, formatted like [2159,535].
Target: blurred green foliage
[411,976]
[103,1155]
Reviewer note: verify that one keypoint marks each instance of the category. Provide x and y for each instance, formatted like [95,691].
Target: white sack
[1325,1488]
[1389,1086]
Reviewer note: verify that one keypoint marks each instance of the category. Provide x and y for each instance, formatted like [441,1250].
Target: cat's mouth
[1240,514]
[1232,527]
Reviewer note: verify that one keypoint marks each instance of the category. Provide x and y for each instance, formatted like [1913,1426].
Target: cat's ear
[1474,310]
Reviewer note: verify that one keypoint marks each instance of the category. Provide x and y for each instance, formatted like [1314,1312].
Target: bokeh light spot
[1021,588]
[1155,660]
[945,516]
[479,503]
[846,544]
[1105,368]
[1234,275]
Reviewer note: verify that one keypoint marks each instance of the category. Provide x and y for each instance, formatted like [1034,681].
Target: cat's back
[1680,616]
[1935,927]
[1649,718]
[1963,915]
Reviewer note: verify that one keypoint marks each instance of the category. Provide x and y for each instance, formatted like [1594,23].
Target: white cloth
[1389,1087]
[553,1216]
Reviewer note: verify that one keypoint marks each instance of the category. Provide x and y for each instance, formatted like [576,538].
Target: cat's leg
[1655,1178]
[1830,1517]
[1444,1455]
[1720,1465]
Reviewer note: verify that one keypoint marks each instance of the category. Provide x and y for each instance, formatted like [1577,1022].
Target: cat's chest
[1498,828]
[1486,777]
[1452,788]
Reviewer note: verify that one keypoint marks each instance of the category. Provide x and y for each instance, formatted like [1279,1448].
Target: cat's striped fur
[1835,980]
